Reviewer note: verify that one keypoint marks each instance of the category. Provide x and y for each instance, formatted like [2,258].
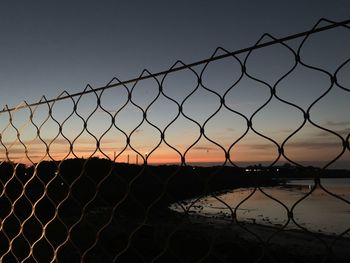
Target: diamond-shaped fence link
[170,167]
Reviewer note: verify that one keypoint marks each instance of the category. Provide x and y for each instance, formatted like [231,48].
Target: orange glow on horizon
[164,156]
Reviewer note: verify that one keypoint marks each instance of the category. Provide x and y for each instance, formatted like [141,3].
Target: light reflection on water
[318,212]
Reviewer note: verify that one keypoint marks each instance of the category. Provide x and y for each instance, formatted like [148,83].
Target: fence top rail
[182,66]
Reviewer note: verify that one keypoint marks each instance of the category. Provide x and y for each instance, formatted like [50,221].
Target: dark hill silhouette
[98,183]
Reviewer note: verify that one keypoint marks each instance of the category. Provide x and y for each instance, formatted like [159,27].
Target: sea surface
[317,209]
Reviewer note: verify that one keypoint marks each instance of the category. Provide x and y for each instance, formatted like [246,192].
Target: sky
[47,47]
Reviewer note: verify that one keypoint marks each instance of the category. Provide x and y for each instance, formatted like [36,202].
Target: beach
[319,228]
[313,209]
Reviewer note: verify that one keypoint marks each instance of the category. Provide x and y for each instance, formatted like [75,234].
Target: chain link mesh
[83,176]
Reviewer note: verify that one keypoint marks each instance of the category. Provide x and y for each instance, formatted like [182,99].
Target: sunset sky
[47,47]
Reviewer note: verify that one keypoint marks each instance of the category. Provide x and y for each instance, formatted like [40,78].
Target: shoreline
[298,242]
[262,212]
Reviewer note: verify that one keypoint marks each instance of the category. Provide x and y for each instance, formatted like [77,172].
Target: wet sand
[296,243]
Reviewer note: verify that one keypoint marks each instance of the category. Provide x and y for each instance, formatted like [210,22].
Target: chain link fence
[170,167]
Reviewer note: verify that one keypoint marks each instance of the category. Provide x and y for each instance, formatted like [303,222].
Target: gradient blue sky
[47,47]
[50,46]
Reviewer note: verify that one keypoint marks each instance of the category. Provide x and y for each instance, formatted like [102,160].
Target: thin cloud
[62,141]
[262,146]
[230,129]
[301,145]
[338,123]
[204,148]
[12,151]
[324,134]
[138,131]
[286,130]
[343,132]
[315,145]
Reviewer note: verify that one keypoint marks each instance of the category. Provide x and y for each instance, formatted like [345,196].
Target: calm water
[318,212]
